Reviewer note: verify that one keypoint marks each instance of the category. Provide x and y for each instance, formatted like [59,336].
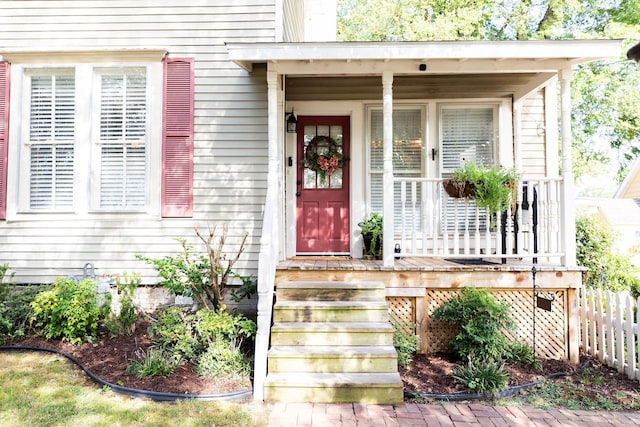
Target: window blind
[51,140]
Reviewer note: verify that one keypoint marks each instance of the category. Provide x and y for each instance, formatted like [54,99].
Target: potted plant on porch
[492,188]
[371,230]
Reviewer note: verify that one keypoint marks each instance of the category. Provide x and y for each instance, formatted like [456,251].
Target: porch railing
[429,223]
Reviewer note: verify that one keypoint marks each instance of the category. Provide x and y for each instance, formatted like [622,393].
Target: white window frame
[425,135]
[497,129]
[85,174]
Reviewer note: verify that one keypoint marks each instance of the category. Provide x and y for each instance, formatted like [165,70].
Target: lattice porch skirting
[551,326]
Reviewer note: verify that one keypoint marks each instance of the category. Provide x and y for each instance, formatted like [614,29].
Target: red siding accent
[4,136]
[177,138]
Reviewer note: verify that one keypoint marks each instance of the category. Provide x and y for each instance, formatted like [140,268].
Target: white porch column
[517,135]
[568,221]
[269,250]
[387,179]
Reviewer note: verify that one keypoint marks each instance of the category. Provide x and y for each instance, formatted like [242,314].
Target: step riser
[365,395]
[330,294]
[330,338]
[281,314]
[335,364]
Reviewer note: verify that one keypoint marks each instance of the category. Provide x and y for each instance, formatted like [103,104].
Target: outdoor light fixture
[292,122]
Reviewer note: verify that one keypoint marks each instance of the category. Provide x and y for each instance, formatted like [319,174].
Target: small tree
[204,277]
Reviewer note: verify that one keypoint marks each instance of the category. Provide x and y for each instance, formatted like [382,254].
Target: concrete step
[368,388]
[330,291]
[330,311]
[333,359]
[331,333]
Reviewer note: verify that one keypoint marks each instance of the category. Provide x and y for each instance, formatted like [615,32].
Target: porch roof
[371,58]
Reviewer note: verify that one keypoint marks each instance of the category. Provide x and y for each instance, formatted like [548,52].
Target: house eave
[439,57]
[30,56]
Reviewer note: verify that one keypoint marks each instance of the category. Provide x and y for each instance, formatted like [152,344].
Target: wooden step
[330,311]
[333,359]
[332,333]
[369,388]
[330,291]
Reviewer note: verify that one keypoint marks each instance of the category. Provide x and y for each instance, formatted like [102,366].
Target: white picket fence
[609,329]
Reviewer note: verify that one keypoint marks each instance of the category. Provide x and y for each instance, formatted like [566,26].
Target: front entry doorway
[322,185]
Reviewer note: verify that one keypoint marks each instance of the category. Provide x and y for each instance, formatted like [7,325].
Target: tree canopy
[606,113]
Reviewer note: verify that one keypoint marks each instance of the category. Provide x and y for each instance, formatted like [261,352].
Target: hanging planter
[458,189]
[493,188]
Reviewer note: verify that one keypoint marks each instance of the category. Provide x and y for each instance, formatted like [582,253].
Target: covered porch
[444,243]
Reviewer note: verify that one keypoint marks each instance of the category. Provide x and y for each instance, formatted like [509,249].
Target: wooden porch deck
[415,286]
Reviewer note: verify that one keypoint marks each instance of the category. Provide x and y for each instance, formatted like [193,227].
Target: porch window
[468,133]
[85,141]
[408,151]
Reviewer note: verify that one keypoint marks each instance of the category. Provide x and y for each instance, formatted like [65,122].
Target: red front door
[322,208]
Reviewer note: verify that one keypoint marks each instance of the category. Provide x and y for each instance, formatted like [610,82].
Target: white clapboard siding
[293,22]
[230,149]
[533,135]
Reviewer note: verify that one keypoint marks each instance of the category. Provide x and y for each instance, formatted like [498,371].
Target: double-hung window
[86,142]
[50,140]
[408,151]
[121,139]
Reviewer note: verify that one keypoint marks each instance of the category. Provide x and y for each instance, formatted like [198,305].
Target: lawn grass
[46,390]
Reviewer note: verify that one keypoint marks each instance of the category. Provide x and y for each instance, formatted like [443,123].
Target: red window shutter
[177,138]
[4,136]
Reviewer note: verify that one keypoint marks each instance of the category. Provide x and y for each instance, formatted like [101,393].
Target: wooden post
[387,180]
[568,220]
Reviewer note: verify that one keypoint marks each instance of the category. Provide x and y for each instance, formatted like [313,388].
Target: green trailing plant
[123,323]
[482,376]
[372,228]
[406,342]
[203,277]
[482,321]
[493,188]
[70,310]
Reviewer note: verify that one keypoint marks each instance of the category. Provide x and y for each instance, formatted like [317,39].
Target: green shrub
[69,311]
[482,321]
[203,277]
[606,269]
[16,311]
[406,343]
[224,358]
[518,352]
[212,326]
[213,340]
[482,377]
[123,323]
[173,333]
[154,363]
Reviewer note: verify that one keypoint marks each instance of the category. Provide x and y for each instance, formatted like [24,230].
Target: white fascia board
[410,67]
[571,51]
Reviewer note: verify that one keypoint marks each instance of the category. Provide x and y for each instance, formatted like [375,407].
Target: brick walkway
[458,415]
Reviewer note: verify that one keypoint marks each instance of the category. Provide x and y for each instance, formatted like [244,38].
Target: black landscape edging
[154,395]
[508,392]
